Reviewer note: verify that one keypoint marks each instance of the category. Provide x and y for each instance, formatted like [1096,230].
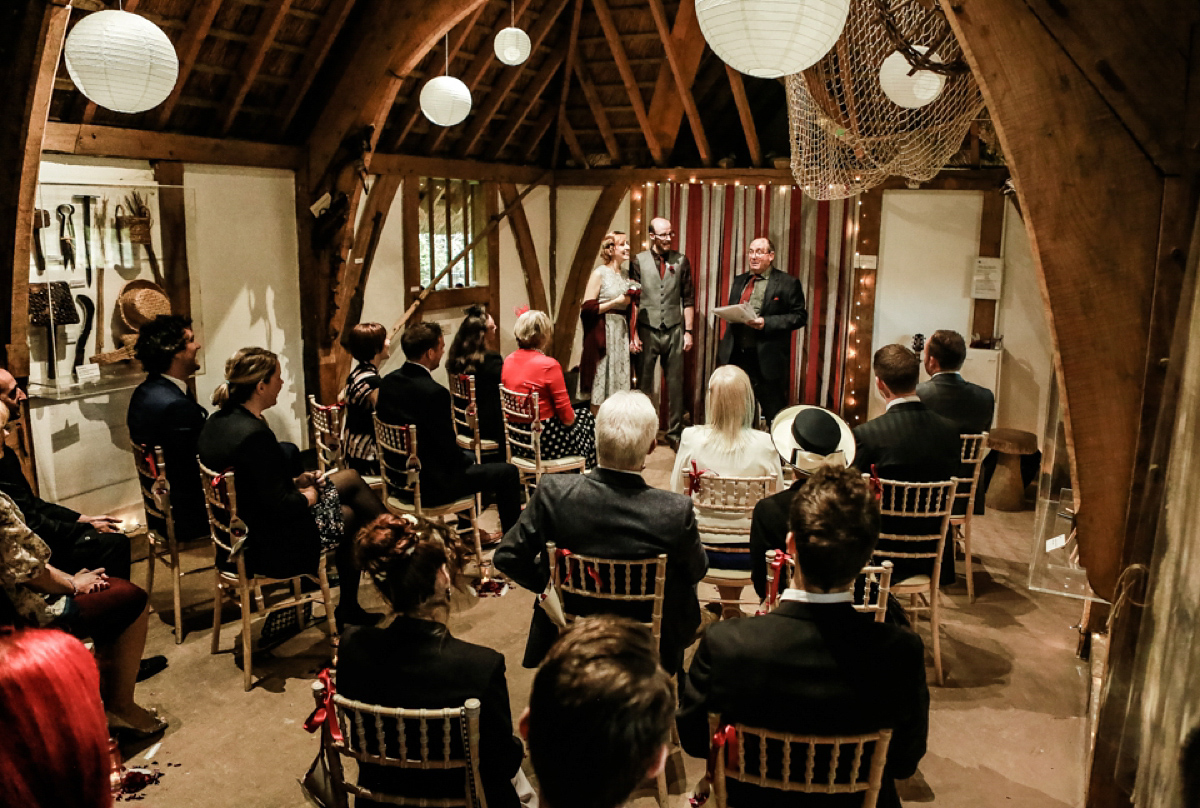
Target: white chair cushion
[396,505]
[558,464]
[917,584]
[725,577]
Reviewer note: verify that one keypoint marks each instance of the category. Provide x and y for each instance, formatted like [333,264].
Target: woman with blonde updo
[290,519]
[415,662]
[565,431]
[608,302]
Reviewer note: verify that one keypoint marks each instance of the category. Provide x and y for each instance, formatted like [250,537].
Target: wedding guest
[472,353]
[727,446]
[54,747]
[565,432]
[369,345]
[290,520]
[606,311]
[415,662]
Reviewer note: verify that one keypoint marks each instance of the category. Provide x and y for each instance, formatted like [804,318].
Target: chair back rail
[613,579]
[154,487]
[870,592]
[465,410]
[398,463]
[226,528]
[522,422]
[328,422]
[405,738]
[973,447]
[917,501]
[842,764]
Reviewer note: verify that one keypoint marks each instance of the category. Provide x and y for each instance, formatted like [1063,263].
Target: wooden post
[991,243]
[857,385]
[172,214]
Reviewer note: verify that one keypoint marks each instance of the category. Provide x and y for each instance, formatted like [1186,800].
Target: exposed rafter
[683,81]
[631,86]
[533,92]
[597,108]
[327,32]
[199,22]
[566,82]
[540,127]
[743,108]
[666,101]
[508,78]
[572,140]
[252,60]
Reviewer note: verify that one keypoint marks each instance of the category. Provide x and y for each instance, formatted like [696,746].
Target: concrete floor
[1008,728]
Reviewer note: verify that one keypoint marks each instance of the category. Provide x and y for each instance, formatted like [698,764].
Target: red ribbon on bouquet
[324,712]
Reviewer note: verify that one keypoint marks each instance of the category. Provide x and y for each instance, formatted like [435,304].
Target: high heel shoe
[124,731]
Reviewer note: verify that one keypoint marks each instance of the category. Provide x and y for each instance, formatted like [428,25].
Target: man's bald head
[10,394]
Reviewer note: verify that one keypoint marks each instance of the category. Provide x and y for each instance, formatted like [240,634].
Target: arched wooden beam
[1093,203]
[31,38]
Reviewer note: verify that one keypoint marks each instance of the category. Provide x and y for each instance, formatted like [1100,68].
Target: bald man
[665,314]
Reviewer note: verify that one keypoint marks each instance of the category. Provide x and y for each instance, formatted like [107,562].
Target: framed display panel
[98,270]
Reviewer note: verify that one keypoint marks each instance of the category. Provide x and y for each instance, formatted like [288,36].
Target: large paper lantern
[909,91]
[512,46]
[771,38]
[121,61]
[445,100]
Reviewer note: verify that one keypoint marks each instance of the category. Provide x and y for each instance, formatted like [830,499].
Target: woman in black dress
[473,352]
[368,344]
[416,663]
[290,520]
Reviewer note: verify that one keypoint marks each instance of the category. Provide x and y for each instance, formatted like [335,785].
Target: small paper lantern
[121,61]
[771,38]
[445,100]
[512,46]
[912,92]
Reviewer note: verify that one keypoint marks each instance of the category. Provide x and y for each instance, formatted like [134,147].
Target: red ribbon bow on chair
[694,475]
[152,463]
[875,483]
[324,712]
[776,565]
[724,738]
[564,552]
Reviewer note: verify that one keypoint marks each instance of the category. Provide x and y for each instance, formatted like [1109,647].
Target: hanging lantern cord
[447,53]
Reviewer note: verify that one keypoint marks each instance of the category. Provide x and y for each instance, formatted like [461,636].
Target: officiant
[762,345]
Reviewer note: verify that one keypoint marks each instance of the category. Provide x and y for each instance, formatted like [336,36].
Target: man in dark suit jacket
[611,513]
[78,541]
[909,443]
[762,347]
[814,665]
[410,395]
[163,412]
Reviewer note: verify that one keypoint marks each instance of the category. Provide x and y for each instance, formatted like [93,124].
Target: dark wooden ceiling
[262,70]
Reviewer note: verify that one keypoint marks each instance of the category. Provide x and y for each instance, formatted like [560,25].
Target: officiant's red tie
[749,290]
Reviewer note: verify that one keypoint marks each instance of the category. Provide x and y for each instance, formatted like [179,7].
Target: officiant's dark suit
[810,668]
[610,514]
[910,443]
[765,354]
[410,395]
[417,664]
[970,406]
[162,414]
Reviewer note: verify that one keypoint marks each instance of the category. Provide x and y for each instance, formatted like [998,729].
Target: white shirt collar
[800,596]
[902,400]
[180,383]
[946,373]
[419,365]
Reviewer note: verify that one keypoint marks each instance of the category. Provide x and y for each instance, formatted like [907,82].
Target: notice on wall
[986,282]
[866,261]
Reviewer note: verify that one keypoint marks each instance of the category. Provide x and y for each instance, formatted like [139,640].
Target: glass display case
[98,271]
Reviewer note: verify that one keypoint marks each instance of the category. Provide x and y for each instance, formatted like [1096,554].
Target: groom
[665,305]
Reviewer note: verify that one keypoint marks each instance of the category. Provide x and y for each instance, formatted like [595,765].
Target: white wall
[928,243]
[242,256]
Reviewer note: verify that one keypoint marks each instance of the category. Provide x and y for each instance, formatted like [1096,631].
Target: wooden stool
[1007,489]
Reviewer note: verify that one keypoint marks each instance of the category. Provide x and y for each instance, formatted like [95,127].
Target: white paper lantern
[445,100]
[771,38]
[512,46]
[912,92]
[121,61]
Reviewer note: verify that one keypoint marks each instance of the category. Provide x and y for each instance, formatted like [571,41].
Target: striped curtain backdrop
[814,241]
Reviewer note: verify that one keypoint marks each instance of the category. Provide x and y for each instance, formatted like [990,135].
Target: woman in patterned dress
[368,344]
[609,288]
[565,430]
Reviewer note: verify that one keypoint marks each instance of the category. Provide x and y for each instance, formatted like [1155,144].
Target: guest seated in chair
[414,662]
[369,345]
[814,666]
[565,431]
[163,412]
[89,604]
[611,512]
[599,715]
[290,520]
[410,395]
[727,446]
[78,540]
[471,353]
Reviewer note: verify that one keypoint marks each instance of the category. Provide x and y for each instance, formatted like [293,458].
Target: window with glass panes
[452,214]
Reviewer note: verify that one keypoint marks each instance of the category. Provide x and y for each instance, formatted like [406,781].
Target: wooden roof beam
[631,86]
[481,118]
[743,108]
[483,60]
[410,113]
[566,82]
[318,49]
[572,141]
[187,48]
[597,107]
[666,100]
[533,92]
[683,80]
[540,127]
[252,59]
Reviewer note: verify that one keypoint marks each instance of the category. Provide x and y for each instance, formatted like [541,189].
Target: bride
[608,300]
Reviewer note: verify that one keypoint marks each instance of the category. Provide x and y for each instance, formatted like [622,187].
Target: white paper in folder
[741,313]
